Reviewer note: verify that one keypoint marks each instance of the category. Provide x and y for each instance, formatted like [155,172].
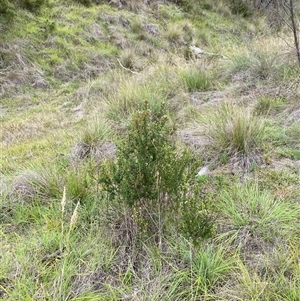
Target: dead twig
[133,72]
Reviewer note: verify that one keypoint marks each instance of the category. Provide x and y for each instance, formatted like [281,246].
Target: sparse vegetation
[133,168]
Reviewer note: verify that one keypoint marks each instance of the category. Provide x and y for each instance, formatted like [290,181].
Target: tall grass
[234,130]
[157,87]
[96,132]
[204,269]
[196,79]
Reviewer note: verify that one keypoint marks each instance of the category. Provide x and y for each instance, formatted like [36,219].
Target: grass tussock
[96,132]
[156,87]
[234,131]
[269,61]
[197,80]
[267,105]
[32,184]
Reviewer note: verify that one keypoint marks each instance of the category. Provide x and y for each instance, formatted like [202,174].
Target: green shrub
[85,2]
[33,5]
[7,9]
[152,178]
[244,8]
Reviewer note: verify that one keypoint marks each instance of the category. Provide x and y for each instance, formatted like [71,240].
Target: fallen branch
[126,68]
[198,51]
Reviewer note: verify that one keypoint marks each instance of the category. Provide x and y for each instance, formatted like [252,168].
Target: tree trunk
[294,27]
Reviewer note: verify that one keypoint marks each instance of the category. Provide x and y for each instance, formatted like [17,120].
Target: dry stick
[294,30]
[126,68]
[293,27]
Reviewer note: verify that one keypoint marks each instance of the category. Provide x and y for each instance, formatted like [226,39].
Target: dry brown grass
[22,128]
[18,69]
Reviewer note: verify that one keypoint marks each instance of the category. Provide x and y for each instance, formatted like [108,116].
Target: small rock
[203,171]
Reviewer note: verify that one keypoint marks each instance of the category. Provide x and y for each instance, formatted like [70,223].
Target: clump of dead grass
[18,69]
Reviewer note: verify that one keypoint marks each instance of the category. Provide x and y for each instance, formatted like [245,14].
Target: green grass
[156,88]
[268,105]
[197,80]
[96,133]
[258,212]
[233,131]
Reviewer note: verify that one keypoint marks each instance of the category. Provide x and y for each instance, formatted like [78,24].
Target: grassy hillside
[149,151]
